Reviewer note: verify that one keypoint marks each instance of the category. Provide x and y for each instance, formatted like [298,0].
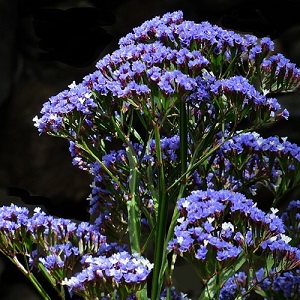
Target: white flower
[210,219]
[37,209]
[180,240]
[227,225]
[285,238]
[180,220]
[274,210]
[185,204]
[72,85]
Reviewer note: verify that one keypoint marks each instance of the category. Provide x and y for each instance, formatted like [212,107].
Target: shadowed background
[47,44]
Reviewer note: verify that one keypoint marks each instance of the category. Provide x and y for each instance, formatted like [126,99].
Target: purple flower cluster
[248,158]
[77,98]
[12,220]
[279,73]
[285,285]
[269,284]
[241,162]
[235,286]
[53,235]
[265,46]
[163,62]
[172,29]
[291,220]
[58,246]
[104,189]
[221,78]
[203,232]
[174,295]
[167,58]
[240,93]
[59,256]
[121,272]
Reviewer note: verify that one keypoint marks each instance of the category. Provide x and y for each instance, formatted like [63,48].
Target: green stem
[142,294]
[161,221]
[31,277]
[88,149]
[183,140]
[133,205]
[197,158]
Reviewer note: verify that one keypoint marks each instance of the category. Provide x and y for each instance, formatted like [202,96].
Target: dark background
[46,45]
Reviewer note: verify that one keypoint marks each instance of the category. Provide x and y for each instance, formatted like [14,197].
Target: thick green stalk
[161,221]
[183,140]
[183,134]
[160,254]
[133,205]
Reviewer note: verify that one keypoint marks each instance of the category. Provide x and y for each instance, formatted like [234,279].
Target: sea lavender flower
[279,73]
[291,220]
[269,284]
[250,158]
[122,272]
[58,261]
[13,239]
[234,287]
[48,232]
[283,285]
[199,234]
[102,200]
[178,51]
[174,295]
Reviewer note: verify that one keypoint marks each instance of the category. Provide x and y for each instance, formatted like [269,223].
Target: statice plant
[167,128]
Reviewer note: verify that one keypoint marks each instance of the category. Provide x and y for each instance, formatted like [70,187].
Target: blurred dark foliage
[73,36]
[263,17]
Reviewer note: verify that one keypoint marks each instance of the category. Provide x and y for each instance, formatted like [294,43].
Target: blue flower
[235,286]
[280,285]
[120,271]
[174,295]
[199,232]
[166,54]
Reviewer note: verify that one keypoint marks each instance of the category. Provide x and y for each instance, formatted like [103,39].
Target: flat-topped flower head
[204,233]
[291,220]
[285,285]
[165,59]
[121,272]
[235,286]
[265,160]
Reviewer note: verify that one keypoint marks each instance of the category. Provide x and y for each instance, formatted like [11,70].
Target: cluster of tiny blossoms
[271,284]
[234,287]
[165,59]
[285,285]
[121,272]
[102,199]
[248,158]
[58,245]
[171,57]
[204,232]
[225,173]
[291,220]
